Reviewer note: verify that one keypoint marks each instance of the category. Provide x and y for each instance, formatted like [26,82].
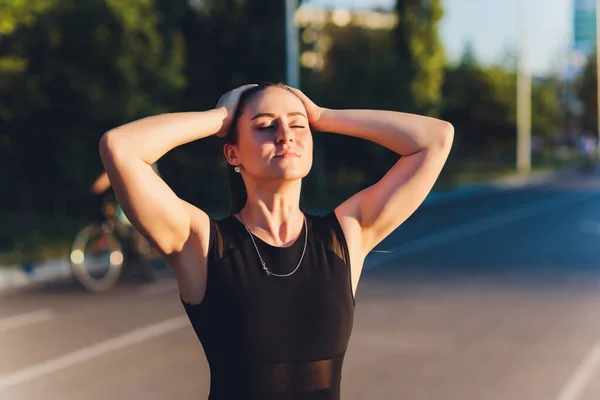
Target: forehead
[276,101]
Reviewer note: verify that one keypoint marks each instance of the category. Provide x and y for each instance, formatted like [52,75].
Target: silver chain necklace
[262,262]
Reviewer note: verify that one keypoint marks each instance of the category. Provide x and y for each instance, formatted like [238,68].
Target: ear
[230,152]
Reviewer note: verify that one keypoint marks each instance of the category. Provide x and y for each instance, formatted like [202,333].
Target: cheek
[307,141]
[254,147]
[307,148]
[251,141]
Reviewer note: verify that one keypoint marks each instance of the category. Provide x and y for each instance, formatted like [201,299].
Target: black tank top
[274,338]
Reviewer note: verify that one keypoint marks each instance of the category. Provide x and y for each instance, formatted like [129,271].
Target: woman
[270,290]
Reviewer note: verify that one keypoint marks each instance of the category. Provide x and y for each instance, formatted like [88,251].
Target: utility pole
[523,94]
[292,77]
[598,74]
[292,47]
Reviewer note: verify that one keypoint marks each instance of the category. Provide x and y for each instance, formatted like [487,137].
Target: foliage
[78,69]
[481,102]
[587,91]
[420,55]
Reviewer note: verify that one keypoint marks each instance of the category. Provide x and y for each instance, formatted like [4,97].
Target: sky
[492,27]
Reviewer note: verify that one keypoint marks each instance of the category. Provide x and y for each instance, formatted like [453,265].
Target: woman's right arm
[128,153]
[177,229]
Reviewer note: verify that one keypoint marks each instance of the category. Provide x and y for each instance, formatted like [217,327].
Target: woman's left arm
[423,143]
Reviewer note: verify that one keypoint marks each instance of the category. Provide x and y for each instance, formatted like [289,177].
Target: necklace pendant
[264,266]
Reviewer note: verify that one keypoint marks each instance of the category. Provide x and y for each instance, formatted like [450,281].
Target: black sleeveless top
[274,338]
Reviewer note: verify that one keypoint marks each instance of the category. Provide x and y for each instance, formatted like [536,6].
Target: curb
[18,277]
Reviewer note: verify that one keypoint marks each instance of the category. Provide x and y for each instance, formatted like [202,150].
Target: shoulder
[210,239]
[327,229]
[319,223]
[222,234]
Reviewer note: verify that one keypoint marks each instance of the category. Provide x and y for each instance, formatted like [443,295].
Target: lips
[288,153]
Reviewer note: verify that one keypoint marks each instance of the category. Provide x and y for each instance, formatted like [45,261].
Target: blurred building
[584,26]
[314,22]
[583,42]
[582,47]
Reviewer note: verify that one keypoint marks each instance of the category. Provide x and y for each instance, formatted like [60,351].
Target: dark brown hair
[237,188]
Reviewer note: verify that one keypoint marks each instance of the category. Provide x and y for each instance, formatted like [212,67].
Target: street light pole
[523,95]
[598,73]
[292,48]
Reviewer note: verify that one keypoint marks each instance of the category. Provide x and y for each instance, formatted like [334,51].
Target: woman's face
[274,137]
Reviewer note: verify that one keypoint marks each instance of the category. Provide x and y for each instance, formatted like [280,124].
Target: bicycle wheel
[96,258]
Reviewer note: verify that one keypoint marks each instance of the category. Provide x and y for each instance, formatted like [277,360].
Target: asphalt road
[488,298]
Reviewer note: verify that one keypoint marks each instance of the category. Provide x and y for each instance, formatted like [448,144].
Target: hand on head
[313,111]
[230,101]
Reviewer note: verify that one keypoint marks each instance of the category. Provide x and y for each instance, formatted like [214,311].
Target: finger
[294,89]
[298,92]
[246,87]
[304,98]
[238,89]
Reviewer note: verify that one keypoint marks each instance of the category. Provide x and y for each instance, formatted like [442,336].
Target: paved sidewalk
[19,277]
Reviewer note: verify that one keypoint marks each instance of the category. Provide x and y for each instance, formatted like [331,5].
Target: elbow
[109,146]
[445,136]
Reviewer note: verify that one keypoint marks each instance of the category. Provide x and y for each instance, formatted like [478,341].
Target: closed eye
[265,128]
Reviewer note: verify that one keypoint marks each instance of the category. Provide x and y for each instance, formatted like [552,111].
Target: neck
[272,212]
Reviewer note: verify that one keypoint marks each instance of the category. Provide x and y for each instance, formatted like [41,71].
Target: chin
[290,174]
[290,169]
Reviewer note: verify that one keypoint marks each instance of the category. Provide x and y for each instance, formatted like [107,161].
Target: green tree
[587,92]
[469,57]
[227,44]
[82,67]
[355,51]
[481,102]
[421,56]
[16,13]
[546,109]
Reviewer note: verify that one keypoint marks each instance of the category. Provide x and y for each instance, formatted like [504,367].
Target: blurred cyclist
[131,241]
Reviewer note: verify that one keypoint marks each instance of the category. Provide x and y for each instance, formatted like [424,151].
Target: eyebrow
[271,115]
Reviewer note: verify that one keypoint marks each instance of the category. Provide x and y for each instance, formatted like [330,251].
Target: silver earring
[237,169]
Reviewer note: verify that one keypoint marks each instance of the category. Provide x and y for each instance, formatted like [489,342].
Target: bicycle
[103,250]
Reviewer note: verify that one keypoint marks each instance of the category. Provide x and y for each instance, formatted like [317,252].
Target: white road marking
[21,320]
[576,385]
[87,353]
[478,226]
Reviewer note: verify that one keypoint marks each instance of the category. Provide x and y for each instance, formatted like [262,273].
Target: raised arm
[423,143]
[128,153]
[179,230]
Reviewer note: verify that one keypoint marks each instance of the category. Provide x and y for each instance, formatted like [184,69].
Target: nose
[284,134]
